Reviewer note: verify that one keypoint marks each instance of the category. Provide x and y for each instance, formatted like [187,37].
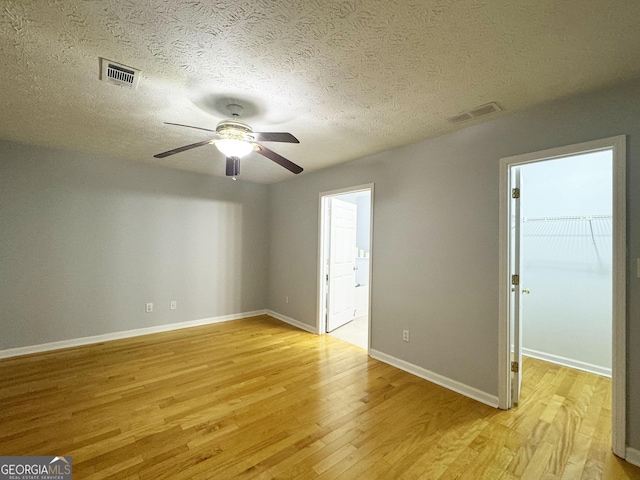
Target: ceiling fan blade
[275,137]
[233,166]
[190,126]
[279,159]
[182,149]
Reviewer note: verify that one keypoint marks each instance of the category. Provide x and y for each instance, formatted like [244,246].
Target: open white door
[516,288]
[342,264]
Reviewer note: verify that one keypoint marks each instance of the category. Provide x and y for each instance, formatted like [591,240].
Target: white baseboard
[567,362]
[633,456]
[461,388]
[291,321]
[76,342]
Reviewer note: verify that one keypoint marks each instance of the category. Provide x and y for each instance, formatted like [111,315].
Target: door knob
[526,290]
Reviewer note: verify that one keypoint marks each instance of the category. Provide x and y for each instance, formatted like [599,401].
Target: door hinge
[515,279]
[515,367]
[515,193]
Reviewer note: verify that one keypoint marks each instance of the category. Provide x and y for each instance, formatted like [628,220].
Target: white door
[342,264]
[516,287]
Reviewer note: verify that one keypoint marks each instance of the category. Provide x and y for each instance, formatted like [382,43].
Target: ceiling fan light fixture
[232,147]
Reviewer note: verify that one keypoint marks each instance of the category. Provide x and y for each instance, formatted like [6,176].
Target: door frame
[323,224]
[618,145]
[516,269]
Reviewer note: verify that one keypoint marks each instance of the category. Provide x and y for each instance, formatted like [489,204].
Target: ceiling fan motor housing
[234,129]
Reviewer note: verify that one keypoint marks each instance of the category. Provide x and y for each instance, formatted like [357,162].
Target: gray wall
[435,242]
[363,233]
[86,242]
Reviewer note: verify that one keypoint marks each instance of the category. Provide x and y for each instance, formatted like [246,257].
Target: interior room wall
[363,239]
[567,260]
[363,235]
[362,200]
[435,241]
[85,242]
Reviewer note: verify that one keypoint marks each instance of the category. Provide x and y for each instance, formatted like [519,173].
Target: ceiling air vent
[463,117]
[118,74]
[474,113]
[484,110]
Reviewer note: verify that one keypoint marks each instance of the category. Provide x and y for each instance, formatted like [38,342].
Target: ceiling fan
[236,139]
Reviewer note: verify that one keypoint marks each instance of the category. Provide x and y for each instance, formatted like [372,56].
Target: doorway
[567,230]
[513,281]
[344,264]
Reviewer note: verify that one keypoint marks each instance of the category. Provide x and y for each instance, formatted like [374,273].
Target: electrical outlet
[173,305]
[405,335]
[148,308]
[286,299]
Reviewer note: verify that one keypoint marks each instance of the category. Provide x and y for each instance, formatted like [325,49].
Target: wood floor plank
[258,399]
[538,464]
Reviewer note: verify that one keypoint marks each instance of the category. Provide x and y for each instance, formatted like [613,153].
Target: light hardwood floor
[256,398]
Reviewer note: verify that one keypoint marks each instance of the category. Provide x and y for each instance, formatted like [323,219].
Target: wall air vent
[474,113]
[119,74]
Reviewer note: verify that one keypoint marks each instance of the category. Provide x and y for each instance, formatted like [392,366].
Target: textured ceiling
[348,78]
